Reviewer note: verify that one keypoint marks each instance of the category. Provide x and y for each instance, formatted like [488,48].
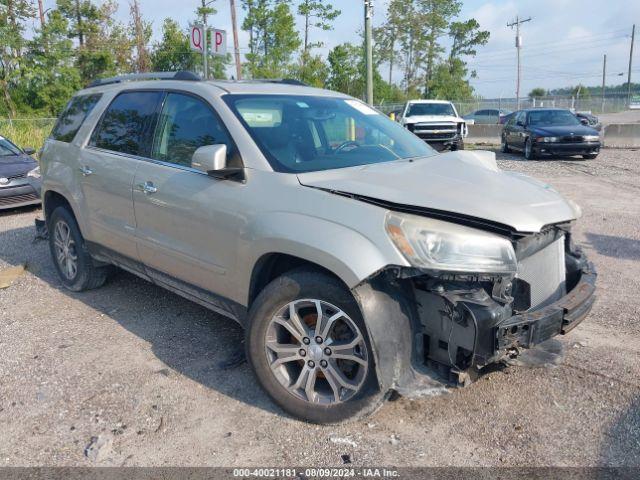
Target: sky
[563,44]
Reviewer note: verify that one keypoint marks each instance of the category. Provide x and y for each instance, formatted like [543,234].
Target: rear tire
[325,401]
[70,255]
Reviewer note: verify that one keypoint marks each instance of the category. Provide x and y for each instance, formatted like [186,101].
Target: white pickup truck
[436,122]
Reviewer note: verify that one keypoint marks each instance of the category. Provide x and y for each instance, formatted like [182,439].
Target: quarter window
[128,122]
[73,116]
[186,124]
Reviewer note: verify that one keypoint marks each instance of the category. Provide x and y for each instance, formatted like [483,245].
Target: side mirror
[212,160]
[29,150]
[210,157]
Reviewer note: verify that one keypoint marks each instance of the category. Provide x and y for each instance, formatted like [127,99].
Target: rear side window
[71,119]
[127,124]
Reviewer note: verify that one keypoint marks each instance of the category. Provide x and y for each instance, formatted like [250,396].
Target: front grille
[573,139]
[16,177]
[436,136]
[29,197]
[545,272]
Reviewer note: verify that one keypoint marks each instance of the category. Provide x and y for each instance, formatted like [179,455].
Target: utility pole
[234,21]
[205,34]
[517,24]
[604,80]
[633,38]
[41,11]
[368,13]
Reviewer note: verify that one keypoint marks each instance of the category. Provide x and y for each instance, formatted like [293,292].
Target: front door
[186,228]
[107,168]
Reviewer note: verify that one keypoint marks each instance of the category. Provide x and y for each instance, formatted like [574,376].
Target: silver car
[358,260]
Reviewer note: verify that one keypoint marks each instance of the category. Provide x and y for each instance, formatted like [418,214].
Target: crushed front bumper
[429,333]
[529,329]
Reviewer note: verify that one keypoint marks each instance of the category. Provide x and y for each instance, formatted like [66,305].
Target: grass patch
[27,132]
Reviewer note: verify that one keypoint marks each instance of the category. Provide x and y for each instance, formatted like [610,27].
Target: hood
[563,130]
[432,118]
[463,182]
[15,165]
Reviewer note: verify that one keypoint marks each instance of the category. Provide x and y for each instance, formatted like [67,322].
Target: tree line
[423,43]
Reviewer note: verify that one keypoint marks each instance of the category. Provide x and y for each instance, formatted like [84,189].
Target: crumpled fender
[389,316]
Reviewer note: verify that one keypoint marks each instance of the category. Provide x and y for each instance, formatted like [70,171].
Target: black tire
[505,145]
[87,276]
[591,156]
[457,146]
[308,284]
[529,153]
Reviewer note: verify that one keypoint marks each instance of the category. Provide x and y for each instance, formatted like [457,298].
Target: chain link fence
[612,103]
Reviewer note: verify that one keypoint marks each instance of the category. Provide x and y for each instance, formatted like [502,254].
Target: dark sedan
[19,176]
[556,132]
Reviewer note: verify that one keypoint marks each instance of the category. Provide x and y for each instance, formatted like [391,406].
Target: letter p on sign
[219,42]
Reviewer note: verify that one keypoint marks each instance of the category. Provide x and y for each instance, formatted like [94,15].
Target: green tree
[449,82]
[435,17]
[83,17]
[537,92]
[13,14]
[466,37]
[141,32]
[172,52]
[316,14]
[344,74]
[274,39]
[386,36]
[51,77]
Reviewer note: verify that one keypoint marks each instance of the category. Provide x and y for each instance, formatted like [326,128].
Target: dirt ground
[130,374]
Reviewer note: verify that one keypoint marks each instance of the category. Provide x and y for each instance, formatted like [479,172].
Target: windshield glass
[307,134]
[430,109]
[8,149]
[552,118]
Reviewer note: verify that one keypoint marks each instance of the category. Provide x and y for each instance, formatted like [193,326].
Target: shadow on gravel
[188,338]
[621,444]
[616,247]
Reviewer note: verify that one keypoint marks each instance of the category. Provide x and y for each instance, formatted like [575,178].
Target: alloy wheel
[65,249]
[316,352]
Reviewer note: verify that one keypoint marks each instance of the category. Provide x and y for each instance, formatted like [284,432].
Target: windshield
[307,134]
[8,149]
[552,118]
[431,109]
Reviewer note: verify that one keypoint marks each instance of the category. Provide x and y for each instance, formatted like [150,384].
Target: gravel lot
[138,369]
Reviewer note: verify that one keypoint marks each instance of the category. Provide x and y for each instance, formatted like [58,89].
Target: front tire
[505,145]
[320,371]
[529,153]
[70,254]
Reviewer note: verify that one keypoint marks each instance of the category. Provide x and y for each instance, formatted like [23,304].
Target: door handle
[147,187]
[85,171]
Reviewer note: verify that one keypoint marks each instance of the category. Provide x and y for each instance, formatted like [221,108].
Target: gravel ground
[130,374]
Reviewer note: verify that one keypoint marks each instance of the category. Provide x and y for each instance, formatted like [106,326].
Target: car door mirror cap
[29,150]
[210,158]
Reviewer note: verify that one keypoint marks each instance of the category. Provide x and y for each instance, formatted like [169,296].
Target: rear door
[186,225]
[108,165]
[517,130]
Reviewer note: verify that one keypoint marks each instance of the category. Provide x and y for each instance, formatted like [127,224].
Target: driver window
[186,124]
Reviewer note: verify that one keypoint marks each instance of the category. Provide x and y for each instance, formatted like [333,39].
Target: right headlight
[437,245]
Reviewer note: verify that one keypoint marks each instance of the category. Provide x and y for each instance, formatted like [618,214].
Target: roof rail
[285,81]
[182,75]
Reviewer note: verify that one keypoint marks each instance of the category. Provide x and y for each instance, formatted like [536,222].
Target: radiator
[545,272]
